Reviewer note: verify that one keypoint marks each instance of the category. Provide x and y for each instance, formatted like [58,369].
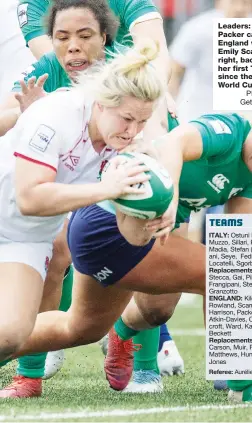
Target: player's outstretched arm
[154,29]
[241,205]
[40,46]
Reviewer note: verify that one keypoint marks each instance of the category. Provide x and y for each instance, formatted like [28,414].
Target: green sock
[239,385]
[146,357]
[66,297]
[33,365]
[123,331]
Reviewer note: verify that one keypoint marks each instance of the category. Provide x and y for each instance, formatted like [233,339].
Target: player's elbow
[25,208]
[26,204]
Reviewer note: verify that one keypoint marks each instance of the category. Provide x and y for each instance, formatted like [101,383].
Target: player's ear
[104,38]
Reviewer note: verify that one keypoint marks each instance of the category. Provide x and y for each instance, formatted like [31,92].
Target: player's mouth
[124,141]
[76,65]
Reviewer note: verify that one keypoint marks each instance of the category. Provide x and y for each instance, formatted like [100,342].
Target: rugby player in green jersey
[221,174]
[217,169]
[137,19]
[31,15]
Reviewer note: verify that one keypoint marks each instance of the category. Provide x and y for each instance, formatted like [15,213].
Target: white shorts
[36,255]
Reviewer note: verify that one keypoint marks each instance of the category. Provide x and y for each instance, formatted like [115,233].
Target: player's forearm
[174,85]
[8,119]
[170,149]
[154,29]
[51,199]
[157,125]
[163,64]
[177,74]
[40,46]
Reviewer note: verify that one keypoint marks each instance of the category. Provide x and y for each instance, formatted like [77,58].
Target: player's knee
[157,316]
[10,343]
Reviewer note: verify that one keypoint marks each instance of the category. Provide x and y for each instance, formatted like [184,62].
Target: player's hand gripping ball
[158,190]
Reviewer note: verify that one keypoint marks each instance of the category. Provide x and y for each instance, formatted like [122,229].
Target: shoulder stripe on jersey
[34,161]
[144,18]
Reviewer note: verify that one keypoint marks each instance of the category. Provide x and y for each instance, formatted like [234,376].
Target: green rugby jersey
[57,77]
[32,12]
[220,173]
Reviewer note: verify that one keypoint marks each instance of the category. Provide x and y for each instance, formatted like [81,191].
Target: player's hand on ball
[121,175]
[34,90]
[164,224]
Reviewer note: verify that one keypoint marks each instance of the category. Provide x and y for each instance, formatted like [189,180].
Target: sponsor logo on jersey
[103,274]
[234,192]
[218,182]
[74,159]
[220,127]
[71,161]
[42,138]
[22,14]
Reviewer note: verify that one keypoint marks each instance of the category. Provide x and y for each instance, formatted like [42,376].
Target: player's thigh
[61,260]
[21,287]
[157,309]
[21,290]
[94,308]
[61,257]
[179,266]
[22,272]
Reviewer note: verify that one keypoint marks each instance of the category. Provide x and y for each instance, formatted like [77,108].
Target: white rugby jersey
[52,132]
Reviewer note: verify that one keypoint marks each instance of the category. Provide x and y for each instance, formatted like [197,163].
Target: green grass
[81,386]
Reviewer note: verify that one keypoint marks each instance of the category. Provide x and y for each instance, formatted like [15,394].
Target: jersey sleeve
[247,192]
[130,11]
[30,17]
[185,47]
[38,69]
[222,134]
[41,139]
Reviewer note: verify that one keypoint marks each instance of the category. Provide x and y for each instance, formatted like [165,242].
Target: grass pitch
[80,392]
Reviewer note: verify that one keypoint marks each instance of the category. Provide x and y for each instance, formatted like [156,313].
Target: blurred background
[177,12]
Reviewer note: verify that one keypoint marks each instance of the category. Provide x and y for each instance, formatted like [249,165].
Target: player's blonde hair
[129,74]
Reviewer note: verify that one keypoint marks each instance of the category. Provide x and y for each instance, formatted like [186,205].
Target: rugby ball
[159,191]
